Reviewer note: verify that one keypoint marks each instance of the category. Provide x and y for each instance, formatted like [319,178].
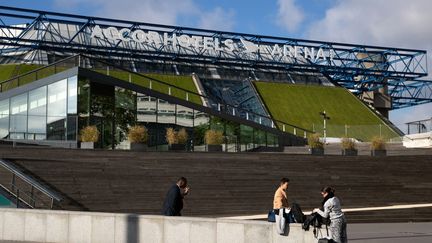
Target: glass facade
[4,119]
[42,113]
[58,111]
[37,114]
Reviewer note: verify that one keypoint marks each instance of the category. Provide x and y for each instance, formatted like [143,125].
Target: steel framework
[30,34]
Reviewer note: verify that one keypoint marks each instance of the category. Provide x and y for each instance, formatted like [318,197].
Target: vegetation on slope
[181,81]
[301,105]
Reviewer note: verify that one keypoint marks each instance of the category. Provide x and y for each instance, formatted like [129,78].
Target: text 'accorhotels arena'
[212,45]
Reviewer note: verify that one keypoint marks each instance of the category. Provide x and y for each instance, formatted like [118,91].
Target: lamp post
[325,118]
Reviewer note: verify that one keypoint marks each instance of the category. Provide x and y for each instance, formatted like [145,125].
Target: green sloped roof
[301,104]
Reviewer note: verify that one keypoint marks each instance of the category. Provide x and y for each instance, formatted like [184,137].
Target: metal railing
[28,197]
[146,81]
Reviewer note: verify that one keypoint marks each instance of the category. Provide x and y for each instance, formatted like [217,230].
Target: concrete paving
[377,233]
[390,233]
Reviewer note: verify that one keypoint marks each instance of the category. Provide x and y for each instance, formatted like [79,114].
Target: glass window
[4,119]
[72,95]
[18,126]
[72,110]
[201,125]
[56,120]
[165,112]
[246,137]
[37,111]
[146,108]
[184,116]
[84,97]
[125,112]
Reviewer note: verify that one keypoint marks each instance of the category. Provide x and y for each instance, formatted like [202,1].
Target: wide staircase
[229,184]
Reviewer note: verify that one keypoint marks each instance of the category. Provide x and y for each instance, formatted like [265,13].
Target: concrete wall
[82,227]
[419,140]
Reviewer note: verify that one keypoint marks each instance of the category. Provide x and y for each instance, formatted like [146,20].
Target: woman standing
[332,209]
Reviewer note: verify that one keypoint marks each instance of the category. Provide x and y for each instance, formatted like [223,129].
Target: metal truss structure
[30,35]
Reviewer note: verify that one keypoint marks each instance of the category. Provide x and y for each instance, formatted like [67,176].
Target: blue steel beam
[359,68]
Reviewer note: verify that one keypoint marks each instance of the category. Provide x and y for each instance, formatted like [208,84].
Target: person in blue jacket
[173,203]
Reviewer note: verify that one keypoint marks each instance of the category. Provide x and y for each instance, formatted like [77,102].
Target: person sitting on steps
[281,206]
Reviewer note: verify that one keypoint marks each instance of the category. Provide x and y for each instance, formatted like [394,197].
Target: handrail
[16,171]
[194,93]
[79,63]
[38,69]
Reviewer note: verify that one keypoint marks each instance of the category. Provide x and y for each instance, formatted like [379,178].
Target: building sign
[213,46]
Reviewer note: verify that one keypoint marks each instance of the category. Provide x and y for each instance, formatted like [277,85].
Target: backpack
[315,220]
[297,213]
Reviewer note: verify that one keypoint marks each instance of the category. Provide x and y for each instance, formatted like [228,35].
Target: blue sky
[398,23]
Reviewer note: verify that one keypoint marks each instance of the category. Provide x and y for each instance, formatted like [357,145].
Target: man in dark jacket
[173,203]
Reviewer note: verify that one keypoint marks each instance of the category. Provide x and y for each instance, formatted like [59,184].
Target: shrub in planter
[171,136]
[138,137]
[378,146]
[315,144]
[214,140]
[348,147]
[176,140]
[88,136]
[182,136]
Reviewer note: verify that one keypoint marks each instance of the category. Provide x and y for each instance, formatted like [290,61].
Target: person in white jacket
[332,209]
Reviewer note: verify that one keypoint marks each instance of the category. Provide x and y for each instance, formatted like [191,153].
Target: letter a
[97,32]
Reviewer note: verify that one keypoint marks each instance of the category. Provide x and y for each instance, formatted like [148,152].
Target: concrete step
[228,184]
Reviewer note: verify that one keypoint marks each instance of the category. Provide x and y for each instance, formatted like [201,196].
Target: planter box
[214,148]
[378,152]
[87,145]
[138,147]
[349,152]
[317,151]
[177,147]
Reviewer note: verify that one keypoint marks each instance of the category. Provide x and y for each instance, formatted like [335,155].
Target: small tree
[315,142]
[213,137]
[89,134]
[138,134]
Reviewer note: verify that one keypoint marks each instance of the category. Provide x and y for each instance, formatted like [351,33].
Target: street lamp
[325,118]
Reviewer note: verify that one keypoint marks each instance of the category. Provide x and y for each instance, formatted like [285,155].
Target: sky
[398,23]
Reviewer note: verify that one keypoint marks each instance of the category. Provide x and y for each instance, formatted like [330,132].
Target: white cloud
[151,11]
[289,15]
[156,11]
[398,23]
[401,23]
[218,18]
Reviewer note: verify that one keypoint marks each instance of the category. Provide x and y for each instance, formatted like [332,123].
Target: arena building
[61,72]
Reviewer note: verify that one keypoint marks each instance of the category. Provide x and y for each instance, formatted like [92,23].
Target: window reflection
[72,95]
[37,113]
[56,120]
[4,119]
[146,108]
[18,110]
